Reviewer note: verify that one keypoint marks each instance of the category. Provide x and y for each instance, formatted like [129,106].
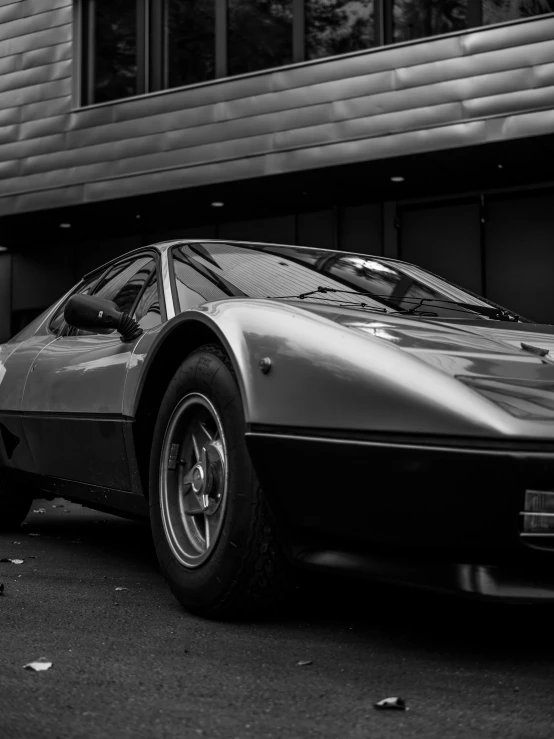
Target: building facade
[418,129]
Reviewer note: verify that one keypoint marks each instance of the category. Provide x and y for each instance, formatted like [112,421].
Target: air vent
[537,518]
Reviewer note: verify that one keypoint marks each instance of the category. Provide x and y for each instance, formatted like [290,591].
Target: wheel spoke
[205,430]
[196,447]
[190,504]
[216,452]
[212,527]
[187,479]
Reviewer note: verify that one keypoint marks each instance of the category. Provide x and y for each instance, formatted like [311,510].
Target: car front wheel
[213,532]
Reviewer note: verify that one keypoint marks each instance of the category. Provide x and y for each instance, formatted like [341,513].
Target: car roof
[163,246]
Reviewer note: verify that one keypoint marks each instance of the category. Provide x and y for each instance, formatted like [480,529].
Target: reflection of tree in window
[264,271]
[260,34]
[124,286]
[260,274]
[147,312]
[338,27]
[115,49]
[193,288]
[190,41]
[365,274]
[498,11]
[58,320]
[394,285]
[420,18]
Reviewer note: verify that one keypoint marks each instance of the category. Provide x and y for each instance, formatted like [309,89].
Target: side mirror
[90,313]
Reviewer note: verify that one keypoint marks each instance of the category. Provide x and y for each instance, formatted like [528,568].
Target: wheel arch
[168,352]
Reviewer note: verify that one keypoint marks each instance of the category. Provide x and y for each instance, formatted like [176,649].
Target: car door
[72,402]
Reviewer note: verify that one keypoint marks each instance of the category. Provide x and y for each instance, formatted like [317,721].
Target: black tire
[14,504]
[246,571]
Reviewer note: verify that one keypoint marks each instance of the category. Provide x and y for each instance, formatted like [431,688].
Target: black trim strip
[112,500]
[398,439]
[71,416]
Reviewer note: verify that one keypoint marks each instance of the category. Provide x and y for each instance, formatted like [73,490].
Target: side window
[57,323]
[148,313]
[124,282]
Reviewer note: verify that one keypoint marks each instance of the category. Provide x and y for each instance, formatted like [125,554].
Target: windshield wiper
[352,303]
[498,314]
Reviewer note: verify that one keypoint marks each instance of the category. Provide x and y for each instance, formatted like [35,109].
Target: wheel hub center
[198,479]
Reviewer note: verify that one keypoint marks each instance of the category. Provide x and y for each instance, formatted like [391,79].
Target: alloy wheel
[193,479]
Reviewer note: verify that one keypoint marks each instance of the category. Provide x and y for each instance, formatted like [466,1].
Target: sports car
[274,407]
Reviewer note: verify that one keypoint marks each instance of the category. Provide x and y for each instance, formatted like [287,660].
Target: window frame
[85,19]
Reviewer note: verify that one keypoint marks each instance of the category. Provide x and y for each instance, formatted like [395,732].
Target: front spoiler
[437,514]
[491,582]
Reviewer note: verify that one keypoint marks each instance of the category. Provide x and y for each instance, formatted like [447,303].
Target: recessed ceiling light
[137,216]
[217,204]
[3,248]
[500,166]
[65,225]
[397,179]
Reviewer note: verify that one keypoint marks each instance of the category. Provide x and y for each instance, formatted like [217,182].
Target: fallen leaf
[122,588]
[39,510]
[13,561]
[304,662]
[38,665]
[392,704]
[16,542]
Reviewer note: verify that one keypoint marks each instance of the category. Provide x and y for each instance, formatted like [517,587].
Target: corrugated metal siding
[35,83]
[487,85]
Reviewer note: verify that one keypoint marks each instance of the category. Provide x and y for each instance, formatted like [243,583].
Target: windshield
[213,271]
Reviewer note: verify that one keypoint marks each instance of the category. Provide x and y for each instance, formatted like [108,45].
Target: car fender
[322,375]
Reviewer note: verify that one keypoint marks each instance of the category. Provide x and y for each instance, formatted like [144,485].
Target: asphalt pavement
[128,661]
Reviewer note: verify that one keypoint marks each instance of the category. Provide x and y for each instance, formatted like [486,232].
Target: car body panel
[15,367]
[79,374]
[16,360]
[327,375]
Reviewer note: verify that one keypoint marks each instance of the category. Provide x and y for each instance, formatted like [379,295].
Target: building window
[112,57]
[413,19]
[499,11]
[131,47]
[189,34]
[338,27]
[259,34]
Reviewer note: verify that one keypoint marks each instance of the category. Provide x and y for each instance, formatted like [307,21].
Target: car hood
[481,348]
